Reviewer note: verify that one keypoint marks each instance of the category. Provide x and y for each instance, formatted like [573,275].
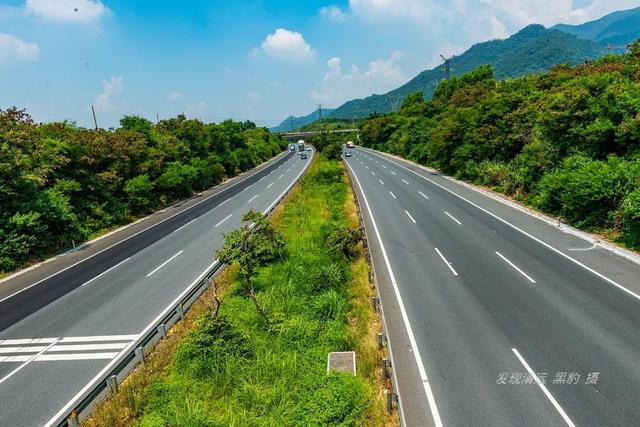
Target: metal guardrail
[107,380]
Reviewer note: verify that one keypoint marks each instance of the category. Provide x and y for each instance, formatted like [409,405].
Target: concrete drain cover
[342,361]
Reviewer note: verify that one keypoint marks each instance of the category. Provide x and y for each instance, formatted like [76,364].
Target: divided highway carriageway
[495,317]
[63,322]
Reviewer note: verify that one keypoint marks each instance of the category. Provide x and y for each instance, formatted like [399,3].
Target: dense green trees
[566,142]
[61,184]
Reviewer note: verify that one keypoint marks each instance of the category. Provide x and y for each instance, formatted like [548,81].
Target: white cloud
[386,10]
[67,10]
[498,29]
[551,12]
[338,87]
[175,96]
[107,101]
[287,45]
[13,49]
[333,13]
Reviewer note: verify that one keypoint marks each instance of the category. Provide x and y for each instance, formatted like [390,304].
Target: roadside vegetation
[61,184]
[566,142]
[297,289]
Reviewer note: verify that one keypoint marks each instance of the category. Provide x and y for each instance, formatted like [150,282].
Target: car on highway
[308,148]
[347,153]
[303,155]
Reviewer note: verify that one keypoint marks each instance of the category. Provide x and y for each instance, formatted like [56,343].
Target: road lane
[563,323]
[120,302]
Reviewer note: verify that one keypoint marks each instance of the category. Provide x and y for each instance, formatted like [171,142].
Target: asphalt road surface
[495,317]
[58,333]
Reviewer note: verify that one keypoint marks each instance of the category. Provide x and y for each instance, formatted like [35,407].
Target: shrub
[344,241]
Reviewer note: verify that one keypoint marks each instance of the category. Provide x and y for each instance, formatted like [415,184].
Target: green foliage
[344,240]
[60,184]
[567,142]
[233,371]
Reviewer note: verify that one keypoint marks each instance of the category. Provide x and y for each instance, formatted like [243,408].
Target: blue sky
[256,60]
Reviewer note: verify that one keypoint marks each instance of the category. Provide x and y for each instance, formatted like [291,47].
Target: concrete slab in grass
[342,361]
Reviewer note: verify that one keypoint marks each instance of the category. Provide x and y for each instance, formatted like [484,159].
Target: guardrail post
[72,420]
[139,352]
[181,311]
[374,303]
[112,383]
[381,340]
[391,399]
[386,367]
[162,330]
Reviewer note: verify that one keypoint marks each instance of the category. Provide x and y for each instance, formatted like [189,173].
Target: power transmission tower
[447,68]
[157,119]
[319,111]
[95,122]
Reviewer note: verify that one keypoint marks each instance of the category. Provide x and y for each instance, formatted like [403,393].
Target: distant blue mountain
[617,28]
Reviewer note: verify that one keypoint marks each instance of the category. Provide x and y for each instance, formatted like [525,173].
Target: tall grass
[238,371]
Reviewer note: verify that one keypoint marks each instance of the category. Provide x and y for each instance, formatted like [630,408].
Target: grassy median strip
[240,369]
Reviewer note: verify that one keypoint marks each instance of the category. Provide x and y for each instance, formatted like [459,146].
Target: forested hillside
[533,49]
[292,122]
[61,184]
[566,142]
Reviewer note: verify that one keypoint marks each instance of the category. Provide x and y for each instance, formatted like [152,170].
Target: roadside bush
[206,349]
[344,241]
[631,219]
[335,400]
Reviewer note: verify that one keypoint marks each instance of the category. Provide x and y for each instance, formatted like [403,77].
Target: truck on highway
[301,145]
[350,144]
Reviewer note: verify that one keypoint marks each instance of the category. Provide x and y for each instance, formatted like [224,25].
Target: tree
[254,244]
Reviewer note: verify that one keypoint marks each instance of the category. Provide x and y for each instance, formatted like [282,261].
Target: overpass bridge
[305,134]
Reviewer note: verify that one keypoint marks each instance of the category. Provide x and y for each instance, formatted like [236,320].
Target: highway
[59,331]
[496,318]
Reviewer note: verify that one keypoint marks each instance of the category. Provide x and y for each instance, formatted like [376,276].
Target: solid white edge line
[547,393]
[409,215]
[141,231]
[164,263]
[423,195]
[392,195]
[105,272]
[306,166]
[68,406]
[412,340]
[515,267]
[529,235]
[31,359]
[452,217]
[455,273]
[223,220]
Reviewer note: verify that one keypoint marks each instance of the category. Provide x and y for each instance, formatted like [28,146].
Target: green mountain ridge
[617,28]
[534,49]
